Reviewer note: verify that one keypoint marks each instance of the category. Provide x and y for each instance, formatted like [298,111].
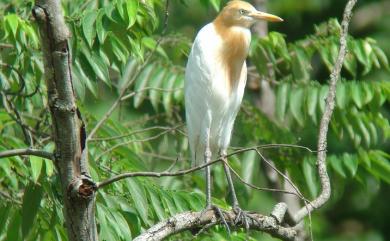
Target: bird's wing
[198,89]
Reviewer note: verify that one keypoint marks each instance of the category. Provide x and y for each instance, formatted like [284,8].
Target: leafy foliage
[111,44]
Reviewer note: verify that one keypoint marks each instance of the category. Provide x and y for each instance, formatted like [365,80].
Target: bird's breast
[232,52]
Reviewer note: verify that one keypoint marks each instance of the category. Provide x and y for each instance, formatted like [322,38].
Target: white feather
[209,102]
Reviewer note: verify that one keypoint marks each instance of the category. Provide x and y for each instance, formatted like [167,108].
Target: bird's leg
[241,215]
[229,179]
[207,158]
[209,205]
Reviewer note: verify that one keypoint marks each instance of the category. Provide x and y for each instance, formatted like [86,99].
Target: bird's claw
[242,217]
[219,213]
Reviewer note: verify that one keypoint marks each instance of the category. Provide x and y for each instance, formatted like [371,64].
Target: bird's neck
[234,49]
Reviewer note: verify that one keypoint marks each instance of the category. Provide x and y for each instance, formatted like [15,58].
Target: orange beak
[265,16]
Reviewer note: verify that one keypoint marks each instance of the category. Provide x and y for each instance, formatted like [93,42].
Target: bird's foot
[242,217]
[219,213]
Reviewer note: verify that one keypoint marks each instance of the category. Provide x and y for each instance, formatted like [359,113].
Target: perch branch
[196,220]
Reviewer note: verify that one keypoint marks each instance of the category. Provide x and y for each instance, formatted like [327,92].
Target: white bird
[215,79]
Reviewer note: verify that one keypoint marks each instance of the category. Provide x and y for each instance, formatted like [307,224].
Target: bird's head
[243,14]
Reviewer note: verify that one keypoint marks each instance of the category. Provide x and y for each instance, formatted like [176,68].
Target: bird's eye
[243,12]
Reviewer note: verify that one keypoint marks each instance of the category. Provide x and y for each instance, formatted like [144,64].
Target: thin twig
[134,141]
[6,46]
[135,132]
[263,188]
[9,107]
[154,174]
[27,152]
[128,96]
[279,172]
[272,146]
[162,157]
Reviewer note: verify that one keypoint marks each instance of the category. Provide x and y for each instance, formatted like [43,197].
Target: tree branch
[27,152]
[196,220]
[326,117]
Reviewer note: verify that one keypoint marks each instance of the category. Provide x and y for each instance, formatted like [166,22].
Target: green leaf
[337,165]
[108,228]
[137,193]
[179,88]
[325,55]
[168,202]
[380,166]
[156,203]
[167,96]
[152,45]
[156,82]
[196,201]
[281,101]
[364,157]
[364,131]
[295,104]
[180,203]
[341,95]
[119,7]
[79,86]
[351,162]
[312,98]
[100,69]
[49,167]
[216,4]
[36,167]
[31,203]
[4,215]
[381,57]
[132,8]
[373,131]
[141,84]
[251,166]
[309,171]
[100,30]
[13,232]
[121,223]
[350,64]
[357,94]
[362,50]
[322,97]
[88,27]
[300,65]
[12,21]
[80,74]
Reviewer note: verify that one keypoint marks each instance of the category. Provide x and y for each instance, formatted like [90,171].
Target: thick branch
[326,117]
[27,152]
[198,220]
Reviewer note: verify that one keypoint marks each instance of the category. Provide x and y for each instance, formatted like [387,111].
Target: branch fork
[82,187]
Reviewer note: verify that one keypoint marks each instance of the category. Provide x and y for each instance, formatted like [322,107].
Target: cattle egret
[214,84]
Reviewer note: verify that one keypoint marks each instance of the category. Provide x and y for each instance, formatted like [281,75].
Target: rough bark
[195,221]
[67,127]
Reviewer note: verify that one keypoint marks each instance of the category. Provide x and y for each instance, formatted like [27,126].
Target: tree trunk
[67,127]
